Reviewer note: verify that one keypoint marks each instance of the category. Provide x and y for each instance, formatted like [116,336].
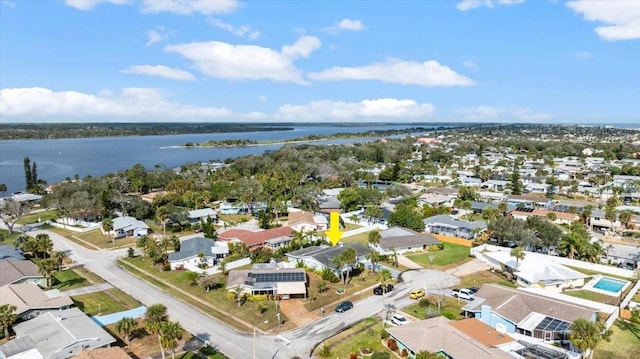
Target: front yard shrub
[384,334]
[424,302]
[392,344]
[404,353]
[257,297]
[329,275]
[449,315]
[353,356]
[325,351]
[231,295]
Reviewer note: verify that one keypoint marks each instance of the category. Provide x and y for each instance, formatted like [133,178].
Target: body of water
[62,158]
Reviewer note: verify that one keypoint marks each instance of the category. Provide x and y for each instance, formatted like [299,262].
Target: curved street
[298,342]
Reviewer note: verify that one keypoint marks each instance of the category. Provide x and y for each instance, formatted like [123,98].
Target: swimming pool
[610,284]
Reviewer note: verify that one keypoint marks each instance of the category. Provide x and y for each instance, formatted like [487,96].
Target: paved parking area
[429,279]
[470,267]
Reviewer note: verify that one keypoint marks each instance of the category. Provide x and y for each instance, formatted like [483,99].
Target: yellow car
[416,293]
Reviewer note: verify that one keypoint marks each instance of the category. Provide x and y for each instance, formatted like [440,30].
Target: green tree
[7,317]
[170,335]
[44,245]
[518,253]
[162,213]
[3,188]
[155,316]
[12,211]
[46,267]
[585,335]
[423,354]
[28,179]
[126,326]
[107,227]
[406,216]
[514,181]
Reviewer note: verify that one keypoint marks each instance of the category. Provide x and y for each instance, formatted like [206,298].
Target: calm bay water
[58,159]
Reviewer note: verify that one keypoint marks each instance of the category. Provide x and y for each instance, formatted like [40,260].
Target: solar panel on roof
[279,277]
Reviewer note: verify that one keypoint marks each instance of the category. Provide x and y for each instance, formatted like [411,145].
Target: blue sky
[320,61]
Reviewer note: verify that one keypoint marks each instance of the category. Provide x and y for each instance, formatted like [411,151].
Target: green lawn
[5,238]
[593,273]
[96,239]
[625,342]
[589,295]
[74,278]
[329,298]
[105,302]
[362,238]
[479,278]
[452,254]
[47,215]
[449,307]
[365,334]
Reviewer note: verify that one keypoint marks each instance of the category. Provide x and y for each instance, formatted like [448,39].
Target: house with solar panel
[511,310]
[269,279]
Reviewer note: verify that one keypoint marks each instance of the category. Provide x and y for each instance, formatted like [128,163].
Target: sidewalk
[89,289]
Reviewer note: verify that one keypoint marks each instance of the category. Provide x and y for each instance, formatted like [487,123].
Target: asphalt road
[237,345]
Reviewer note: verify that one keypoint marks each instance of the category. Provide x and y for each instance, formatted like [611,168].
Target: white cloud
[621,16]
[86,5]
[188,7]
[262,98]
[503,114]
[584,55]
[473,4]
[156,35]
[160,71]
[383,108]
[248,62]
[346,24]
[149,104]
[242,30]
[132,104]
[428,73]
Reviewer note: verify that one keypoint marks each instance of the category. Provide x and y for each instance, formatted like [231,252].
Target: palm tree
[58,257]
[64,213]
[372,256]
[7,317]
[585,335]
[238,294]
[162,213]
[44,245]
[46,267]
[126,326]
[107,226]
[339,262]
[350,257]
[518,253]
[170,334]
[374,238]
[164,243]
[154,317]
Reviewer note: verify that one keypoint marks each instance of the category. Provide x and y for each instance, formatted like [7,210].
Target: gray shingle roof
[399,237]
[443,219]
[12,270]
[325,254]
[192,246]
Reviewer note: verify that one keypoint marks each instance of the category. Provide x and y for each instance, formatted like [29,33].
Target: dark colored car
[474,289]
[380,290]
[344,306]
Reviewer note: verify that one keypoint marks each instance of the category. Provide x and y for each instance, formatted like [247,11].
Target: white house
[198,253]
[129,227]
[197,215]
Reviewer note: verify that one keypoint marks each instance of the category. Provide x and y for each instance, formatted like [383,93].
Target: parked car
[474,289]
[464,293]
[398,319]
[416,293]
[380,290]
[344,306]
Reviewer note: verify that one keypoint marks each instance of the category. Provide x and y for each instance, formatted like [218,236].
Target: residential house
[31,301]
[621,254]
[492,196]
[531,200]
[198,215]
[149,197]
[515,311]
[303,221]
[495,185]
[467,338]
[283,282]
[198,252]
[379,185]
[560,217]
[328,201]
[321,257]
[401,240]
[435,200]
[7,251]
[241,208]
[129,227]
[599,223]
[451,226]
[63,334]
[14,271]
[20,348]
[479,207]
[470,181]
[529,273]
[270,238]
